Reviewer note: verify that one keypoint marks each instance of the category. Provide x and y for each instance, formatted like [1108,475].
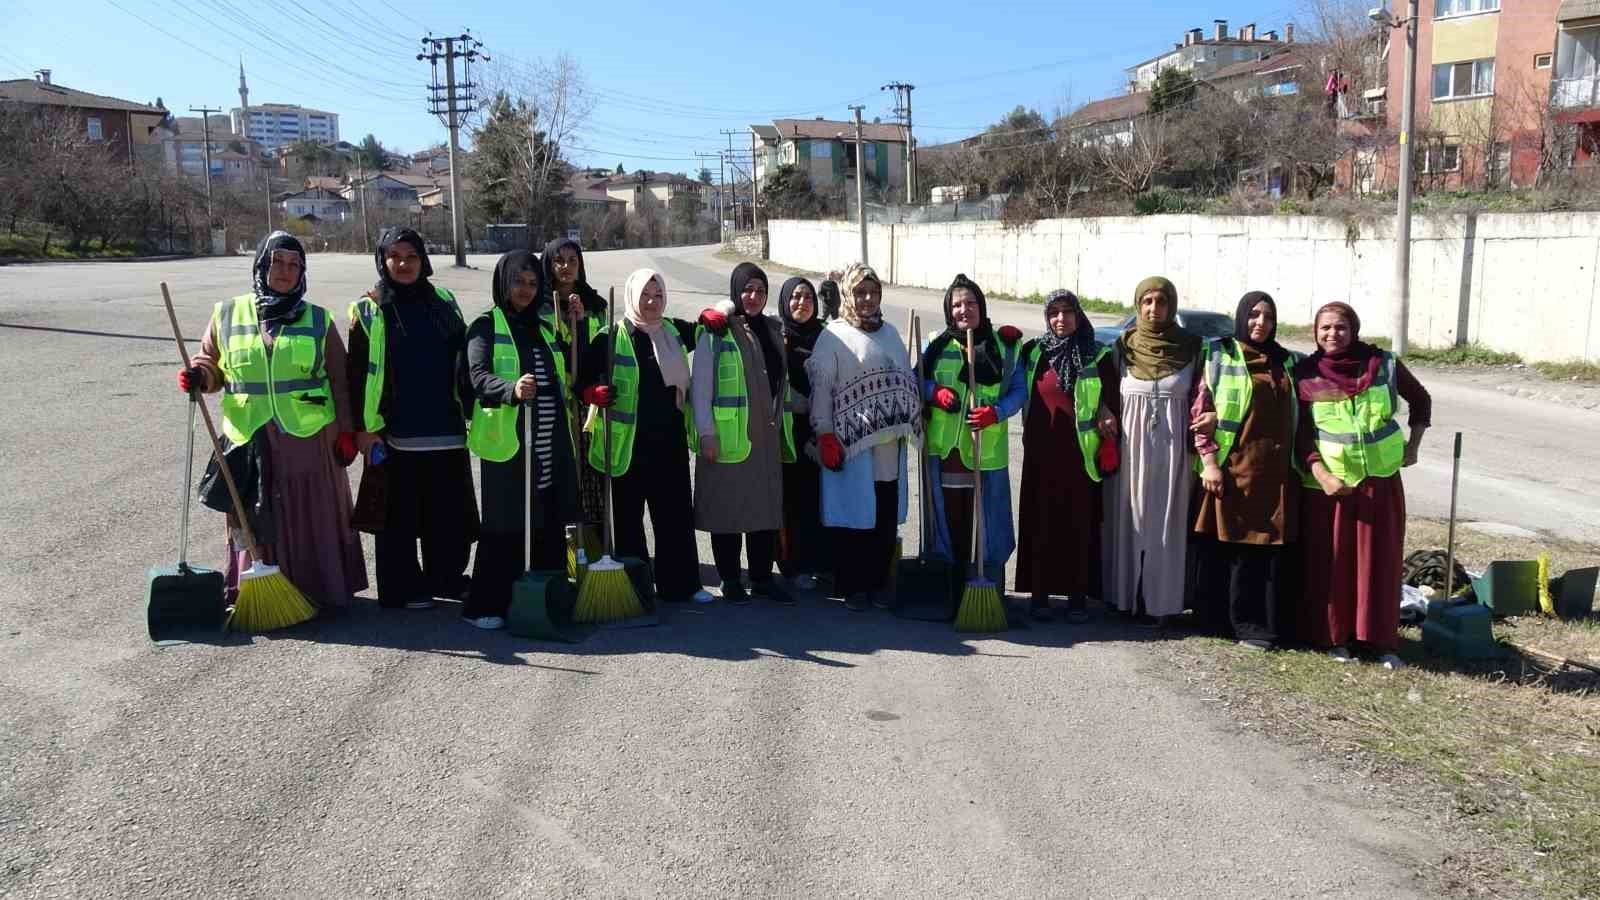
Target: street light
[1402,218]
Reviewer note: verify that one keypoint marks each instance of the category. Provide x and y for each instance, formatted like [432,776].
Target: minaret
[244,90]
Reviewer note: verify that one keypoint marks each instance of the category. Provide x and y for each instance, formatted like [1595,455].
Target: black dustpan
[920,586]
[184,603]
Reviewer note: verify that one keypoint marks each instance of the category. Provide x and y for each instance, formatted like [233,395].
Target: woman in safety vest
[1072,405]
[739,384]
[409,392]
[282,365]
[952,419]
[802,549]
[516,370]
[1147,500]
[641,373]
[1354,511]
[1247,502]
[575,313]
[865,407]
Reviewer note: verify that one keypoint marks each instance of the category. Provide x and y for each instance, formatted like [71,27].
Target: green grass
[1569,371]
[1462,355]
[1090,304]
[26,243]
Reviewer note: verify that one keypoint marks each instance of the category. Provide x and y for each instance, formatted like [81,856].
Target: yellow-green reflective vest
[625,412]
[559,327]
[1228,378]
[1359,437]
[730,404]
[492,431]
[290,386]
[947,430]
[1086,393]
[365,315]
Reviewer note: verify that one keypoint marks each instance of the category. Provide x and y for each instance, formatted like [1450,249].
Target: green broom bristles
[267,601]
[981,611]
[607,595]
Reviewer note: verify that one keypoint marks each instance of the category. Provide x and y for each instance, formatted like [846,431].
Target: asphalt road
[803,751]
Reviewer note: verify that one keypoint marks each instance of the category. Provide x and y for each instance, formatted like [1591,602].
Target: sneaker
[1391,661]
[420,603]
[1256,644]
[701,596]
[488,623]
[1339,654]
[735,594]
[805,582]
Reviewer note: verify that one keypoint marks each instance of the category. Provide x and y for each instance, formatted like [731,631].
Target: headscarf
[1155,350]
[985,346]
[853,277]
[444,319]
[272,308]
[1270,348]
[1337,376]
[1067,356]
[742,273]
[593,303]
[506,270]
[828,299]
[801,335]
[669,353]
[771,353]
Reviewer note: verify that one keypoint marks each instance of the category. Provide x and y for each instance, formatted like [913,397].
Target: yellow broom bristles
[606,595]
[267,602]
[981,611]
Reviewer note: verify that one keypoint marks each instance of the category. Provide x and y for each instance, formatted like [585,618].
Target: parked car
[1205,324]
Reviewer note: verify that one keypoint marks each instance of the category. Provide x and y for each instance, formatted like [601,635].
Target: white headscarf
[669,353]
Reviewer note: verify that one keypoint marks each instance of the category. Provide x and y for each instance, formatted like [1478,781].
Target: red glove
[713,320]
[982,417]
[1010,333]
[1109,457]
[599,395]
[831,451]
[344,449]
[192,379]
[945,399]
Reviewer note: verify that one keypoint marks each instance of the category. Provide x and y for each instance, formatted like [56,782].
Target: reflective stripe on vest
[1086,392]
[730,402]
[290,385]
[948,431]
[364,313]
[1228,378]
[625,411]
[1359,437]
[492,431]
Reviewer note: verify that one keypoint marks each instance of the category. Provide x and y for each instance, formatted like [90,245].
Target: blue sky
[667,78]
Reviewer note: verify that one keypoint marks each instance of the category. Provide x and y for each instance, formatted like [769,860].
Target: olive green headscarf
[1156,350]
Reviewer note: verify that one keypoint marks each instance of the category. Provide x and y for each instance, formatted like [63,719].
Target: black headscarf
[985,346]
[272,308]
[444,319]
[1067,356]
[506,271]
[828,300]
[801,335]
[1241,327]
[593,303]
[771,353]
[742,273]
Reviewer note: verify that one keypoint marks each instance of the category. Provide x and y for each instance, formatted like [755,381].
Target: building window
[1577,51]
[1474,78]
[1443,9]
[92,123]
[821,149]
[1541,60]
[1437,159]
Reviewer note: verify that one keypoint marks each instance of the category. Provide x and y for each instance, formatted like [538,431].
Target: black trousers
[499,561]
[1239,587]
[400,579]
[861,556]
[661,482]
[803,541]
[958,519]
[762,546]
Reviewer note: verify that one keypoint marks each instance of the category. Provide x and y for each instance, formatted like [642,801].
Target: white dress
[1147,500]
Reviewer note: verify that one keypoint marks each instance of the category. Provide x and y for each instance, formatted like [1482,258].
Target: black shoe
[735,594]
[1039,610]
[1077,614]
[761,587]
[882,599]
[857,602]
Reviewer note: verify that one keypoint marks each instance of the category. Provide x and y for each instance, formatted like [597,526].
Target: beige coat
[744,496]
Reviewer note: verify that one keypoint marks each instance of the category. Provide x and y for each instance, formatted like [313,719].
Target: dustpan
[541,602]
[184,603]
[920,585]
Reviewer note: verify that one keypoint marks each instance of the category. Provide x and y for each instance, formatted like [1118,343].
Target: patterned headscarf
[855,276]
[273,308]
[1068,355]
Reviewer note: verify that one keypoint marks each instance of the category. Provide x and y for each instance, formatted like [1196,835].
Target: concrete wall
[1519,283]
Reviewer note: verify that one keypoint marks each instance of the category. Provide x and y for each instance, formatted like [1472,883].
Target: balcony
[1575,93]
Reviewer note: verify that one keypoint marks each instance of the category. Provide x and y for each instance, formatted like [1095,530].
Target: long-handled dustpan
[184,603]
[922,582]
[541,602]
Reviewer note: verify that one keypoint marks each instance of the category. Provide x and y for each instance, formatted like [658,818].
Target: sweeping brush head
[606,594]
[981,611]
[267,601]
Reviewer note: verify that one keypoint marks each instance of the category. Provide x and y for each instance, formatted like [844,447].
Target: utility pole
[205,127]
[861,185]
[734,166]
[1402,218]
[361,200]
[902,112]
[702,157]
[755,186]
[455,103]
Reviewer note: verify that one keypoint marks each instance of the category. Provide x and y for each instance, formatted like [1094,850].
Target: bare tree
[1130,160]
[1351,43]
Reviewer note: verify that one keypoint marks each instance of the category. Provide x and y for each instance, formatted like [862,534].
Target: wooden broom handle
[211,429]
[977,453]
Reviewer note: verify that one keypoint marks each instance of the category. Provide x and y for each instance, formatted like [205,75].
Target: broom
[267,600]
[981,611]
[607,593]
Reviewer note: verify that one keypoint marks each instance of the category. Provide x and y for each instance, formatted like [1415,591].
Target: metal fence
[985,209]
